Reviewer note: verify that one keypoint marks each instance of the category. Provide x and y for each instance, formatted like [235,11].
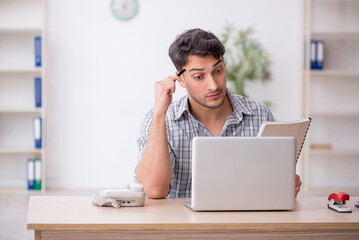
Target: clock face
[124,9]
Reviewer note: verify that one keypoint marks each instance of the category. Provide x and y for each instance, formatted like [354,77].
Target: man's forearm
[154,170]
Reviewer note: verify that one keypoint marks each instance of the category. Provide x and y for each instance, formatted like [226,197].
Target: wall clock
[124,9]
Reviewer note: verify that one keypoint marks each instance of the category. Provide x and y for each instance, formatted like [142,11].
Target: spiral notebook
[297,129]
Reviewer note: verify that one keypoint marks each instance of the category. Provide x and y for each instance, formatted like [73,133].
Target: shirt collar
[238,104]
[182,107]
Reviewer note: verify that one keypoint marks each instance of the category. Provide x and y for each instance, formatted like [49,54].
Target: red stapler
[337,202]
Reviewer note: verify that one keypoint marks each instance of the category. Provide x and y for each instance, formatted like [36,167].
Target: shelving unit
[331,97]
[336,73]
[20,22]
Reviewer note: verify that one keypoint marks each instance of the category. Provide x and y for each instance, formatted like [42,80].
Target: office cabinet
[331,97]
[21,21]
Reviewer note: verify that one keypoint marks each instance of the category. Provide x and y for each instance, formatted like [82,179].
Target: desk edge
[199,226]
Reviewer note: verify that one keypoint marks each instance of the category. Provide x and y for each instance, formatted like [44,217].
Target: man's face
[205,81]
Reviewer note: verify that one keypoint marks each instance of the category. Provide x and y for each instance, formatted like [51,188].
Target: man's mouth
[214,95]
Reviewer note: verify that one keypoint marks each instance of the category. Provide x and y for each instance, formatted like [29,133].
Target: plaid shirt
[182,127]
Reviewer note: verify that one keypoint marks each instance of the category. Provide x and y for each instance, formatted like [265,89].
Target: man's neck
[207,115]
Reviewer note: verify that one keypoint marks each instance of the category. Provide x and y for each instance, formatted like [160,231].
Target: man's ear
[181,82]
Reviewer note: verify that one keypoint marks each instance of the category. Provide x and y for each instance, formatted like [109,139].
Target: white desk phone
[132,196]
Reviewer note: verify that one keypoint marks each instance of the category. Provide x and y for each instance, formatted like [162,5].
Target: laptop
[243,173]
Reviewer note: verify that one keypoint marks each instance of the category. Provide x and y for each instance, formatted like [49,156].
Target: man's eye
[198,77]
[219,70]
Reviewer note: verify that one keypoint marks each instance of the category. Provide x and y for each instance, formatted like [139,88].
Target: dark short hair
[194,42]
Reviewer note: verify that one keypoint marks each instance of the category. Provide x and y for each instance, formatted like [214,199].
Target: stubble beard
[203,104]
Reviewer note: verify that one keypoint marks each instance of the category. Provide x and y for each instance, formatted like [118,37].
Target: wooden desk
[76,218]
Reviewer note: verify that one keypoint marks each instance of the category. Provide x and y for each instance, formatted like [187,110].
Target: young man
[209,109]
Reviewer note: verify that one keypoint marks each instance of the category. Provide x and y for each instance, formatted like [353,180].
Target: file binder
[320,54]
[313,54]
[317,54]
[37,132]
[38,174]
[30,174]
[38,51]
[38,92]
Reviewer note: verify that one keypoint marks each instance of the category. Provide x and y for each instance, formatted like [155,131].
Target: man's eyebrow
[219,61]
[196,69]
[201,69]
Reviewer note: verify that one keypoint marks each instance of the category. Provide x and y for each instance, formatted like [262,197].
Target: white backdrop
[101,73]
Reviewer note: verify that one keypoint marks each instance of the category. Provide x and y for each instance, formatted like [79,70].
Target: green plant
[246,59]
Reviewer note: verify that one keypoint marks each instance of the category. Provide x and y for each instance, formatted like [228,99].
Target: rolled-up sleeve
[143,137]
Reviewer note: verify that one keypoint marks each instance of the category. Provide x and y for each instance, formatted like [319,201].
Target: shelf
[34,110]
[20,31]
[334,152]
[329,96]
[16,71]
[20,22]
[333,73]
[20,150]
[335,34]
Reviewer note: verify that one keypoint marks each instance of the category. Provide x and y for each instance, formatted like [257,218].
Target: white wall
[101,73]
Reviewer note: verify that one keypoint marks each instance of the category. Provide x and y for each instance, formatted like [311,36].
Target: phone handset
[132,196]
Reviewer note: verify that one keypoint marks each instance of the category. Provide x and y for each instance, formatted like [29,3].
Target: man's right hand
[154,170]
[163,94]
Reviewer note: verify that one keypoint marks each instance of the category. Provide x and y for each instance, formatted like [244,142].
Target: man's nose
[211,82]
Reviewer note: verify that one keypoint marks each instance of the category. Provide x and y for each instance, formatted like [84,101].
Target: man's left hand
[298,183]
